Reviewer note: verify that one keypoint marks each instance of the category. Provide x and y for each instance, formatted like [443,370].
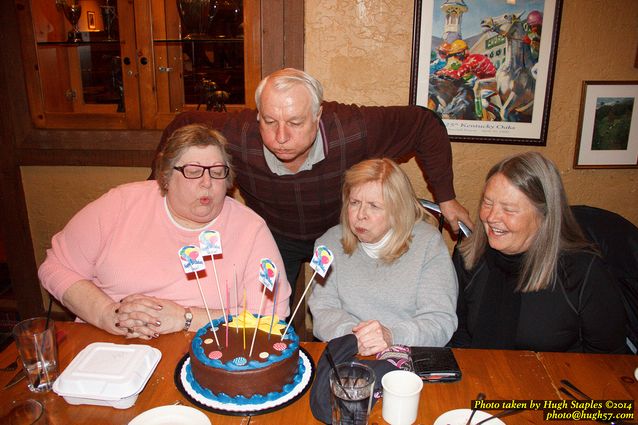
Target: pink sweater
[126,243]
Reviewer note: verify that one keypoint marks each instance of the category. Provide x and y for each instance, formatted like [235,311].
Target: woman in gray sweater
[392,280]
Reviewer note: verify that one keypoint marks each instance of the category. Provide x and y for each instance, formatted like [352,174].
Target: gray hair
[539,180]
[183,138]
[285,79]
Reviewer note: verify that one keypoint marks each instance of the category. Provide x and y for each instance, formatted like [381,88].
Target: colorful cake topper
[321,260]
[267,273]
[210,243]
[191,259]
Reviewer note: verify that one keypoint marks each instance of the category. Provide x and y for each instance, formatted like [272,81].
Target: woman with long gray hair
[528,278]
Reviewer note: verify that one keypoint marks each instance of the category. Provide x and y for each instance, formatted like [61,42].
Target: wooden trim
[282,35]
[294,38]
[14,222]
[253,57]
[272,36]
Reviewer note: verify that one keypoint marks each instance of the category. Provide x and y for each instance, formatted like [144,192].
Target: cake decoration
[192,262]
[210,244]
[240,361]
[321,260]
[191,258]
[279,346]
[214,355]
[320,263]
[268,274]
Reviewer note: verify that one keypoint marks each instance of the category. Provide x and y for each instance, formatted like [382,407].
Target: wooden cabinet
[137,63]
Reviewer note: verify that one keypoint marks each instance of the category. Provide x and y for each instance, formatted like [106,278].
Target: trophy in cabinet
[72,11]
[109,15]
[196,16]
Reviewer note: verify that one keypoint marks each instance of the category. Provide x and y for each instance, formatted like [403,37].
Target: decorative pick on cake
[192,262]
[267,276]
[274,307]
[210,243]
[320,263]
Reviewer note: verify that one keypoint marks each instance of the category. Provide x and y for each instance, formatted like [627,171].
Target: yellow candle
[244,325]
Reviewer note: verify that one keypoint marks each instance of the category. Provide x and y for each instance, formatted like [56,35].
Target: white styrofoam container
[107,374]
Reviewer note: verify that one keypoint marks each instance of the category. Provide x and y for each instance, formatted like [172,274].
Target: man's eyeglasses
[192,171]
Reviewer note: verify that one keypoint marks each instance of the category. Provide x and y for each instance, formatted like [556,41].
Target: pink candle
[227,312]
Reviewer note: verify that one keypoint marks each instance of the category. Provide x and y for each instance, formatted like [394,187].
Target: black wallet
[435,364]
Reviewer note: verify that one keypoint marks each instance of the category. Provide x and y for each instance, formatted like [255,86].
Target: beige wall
[361,50]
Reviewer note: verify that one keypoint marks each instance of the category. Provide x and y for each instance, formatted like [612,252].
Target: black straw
[46,325]
[336,372]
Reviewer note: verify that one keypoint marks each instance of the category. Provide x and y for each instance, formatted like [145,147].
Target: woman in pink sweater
[116,264]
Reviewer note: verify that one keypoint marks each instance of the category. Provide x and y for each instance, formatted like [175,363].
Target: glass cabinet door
[83,74]
[122,64]
[203,56]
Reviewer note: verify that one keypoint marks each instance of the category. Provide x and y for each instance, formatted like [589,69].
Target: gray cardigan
[415,297]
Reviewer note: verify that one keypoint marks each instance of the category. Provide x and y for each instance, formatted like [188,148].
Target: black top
[583,312]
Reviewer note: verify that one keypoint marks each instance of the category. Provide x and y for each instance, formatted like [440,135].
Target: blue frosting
[241,400]
[198,350]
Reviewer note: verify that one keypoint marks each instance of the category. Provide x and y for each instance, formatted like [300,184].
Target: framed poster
[90,19]
[486,67]
[608,125]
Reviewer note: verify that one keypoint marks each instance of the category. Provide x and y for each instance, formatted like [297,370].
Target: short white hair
[285,79]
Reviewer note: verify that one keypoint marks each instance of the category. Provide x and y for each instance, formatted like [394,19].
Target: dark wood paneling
[294,37]
[282,35]
[272,36]
[14,223]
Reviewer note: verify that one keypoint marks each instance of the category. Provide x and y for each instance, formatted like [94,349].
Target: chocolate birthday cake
[229,372]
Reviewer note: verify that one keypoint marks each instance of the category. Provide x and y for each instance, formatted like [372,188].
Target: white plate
[460,417]
[171,415]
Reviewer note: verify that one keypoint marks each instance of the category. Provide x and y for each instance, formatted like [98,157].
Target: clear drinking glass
[351,394]
[38,348]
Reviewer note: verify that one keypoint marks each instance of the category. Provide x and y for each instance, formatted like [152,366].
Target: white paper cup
[401,393]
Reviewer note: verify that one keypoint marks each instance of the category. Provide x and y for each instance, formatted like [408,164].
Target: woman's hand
[148,317]
[372,337]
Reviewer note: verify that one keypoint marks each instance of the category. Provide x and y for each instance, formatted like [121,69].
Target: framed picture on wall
[90,19]
[608,125]
[486,67]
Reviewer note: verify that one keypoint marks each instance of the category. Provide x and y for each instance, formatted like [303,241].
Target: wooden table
[502,375]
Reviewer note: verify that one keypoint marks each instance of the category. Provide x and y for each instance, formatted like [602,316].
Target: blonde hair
[401,205]
[539,180]
[183,138]
[285,79]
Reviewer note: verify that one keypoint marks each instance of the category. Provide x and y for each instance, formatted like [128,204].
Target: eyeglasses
[192,171]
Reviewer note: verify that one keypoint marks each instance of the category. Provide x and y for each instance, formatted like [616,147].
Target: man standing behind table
[290,156]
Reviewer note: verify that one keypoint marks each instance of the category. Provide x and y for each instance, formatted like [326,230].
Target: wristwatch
[188,317]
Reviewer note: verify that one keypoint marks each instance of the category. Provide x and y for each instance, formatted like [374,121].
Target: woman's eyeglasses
[192,171]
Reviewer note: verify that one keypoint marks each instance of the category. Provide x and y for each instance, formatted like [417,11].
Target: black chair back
[617,240]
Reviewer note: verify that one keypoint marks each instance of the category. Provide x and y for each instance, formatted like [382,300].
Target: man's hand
[454,212]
